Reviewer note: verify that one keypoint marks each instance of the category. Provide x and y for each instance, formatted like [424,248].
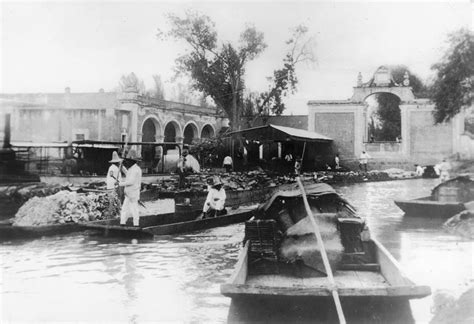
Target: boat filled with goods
[60,213]
[281,274]
[446,199]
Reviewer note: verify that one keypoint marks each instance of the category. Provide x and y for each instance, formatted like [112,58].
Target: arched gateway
[348,123]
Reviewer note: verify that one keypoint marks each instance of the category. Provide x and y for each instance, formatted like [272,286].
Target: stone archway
[150,132]
[190,133]
[207,132]
[172,132]
[382,115]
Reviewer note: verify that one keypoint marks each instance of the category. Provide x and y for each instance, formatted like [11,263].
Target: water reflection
[176,279]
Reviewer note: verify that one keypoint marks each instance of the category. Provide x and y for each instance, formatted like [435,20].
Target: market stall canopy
[281,133]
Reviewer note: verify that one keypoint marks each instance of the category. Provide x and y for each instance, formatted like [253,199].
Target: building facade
[421,141]
[106,116]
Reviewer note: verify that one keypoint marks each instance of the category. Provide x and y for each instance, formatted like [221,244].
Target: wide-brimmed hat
[132,155]
[115,158]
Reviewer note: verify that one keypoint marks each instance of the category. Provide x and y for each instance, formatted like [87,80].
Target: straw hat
[132,155]
[115,158]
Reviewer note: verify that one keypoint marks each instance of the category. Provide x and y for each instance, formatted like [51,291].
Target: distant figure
[289,161]
[227,163]
[372,139]
[444,168]
[132,184]
[419,170]
[113,174]
[215,201]
[187,164]
[336,162]
[297,166]
[363,160]
[398,139]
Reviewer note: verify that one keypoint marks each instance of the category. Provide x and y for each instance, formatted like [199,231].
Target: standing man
[132,185]
[364,159]
[187,164]
[227,163]
[113,191]
[113,174]
[336,162]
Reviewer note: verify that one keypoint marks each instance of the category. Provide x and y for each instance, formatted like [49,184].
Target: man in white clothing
[215,201]
[227,163]
[113,174]
[132,185]
[364,159]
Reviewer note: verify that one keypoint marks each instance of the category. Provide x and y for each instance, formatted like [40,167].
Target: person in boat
[215,201]
[419,170]
[114,194]
[187,164]
[113,173]
[132,186]
[444,168]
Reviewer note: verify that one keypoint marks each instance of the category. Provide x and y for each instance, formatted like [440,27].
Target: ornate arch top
[383,82]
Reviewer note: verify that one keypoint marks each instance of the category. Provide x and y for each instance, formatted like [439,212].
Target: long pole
[327,266]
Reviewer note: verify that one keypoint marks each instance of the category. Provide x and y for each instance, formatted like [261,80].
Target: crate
[263,247]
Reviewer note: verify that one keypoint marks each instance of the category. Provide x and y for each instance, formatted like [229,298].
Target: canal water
[84,278]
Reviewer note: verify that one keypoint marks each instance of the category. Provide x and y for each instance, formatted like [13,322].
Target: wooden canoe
[8,231]
[168,224]
[274,298]
[427,207]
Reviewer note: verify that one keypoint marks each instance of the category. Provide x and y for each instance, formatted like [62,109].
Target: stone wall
[429,143]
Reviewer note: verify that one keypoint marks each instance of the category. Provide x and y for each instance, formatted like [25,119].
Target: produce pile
[259,179]
[21,193]
[66,207]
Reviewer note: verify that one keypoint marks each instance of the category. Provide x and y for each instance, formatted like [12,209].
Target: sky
[88,45]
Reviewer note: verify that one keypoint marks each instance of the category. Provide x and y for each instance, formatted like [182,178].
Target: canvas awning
[281,133]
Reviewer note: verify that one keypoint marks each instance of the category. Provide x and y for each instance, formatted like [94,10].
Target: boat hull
[423,207]
[197,225]
[9,232]
[168,225]
[380,296]
[278,309]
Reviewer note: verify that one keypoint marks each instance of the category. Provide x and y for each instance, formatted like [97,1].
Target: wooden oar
[327,266]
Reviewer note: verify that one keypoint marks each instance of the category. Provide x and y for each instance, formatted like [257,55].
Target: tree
[284,79]
[131,82]
[215,70]
[453,86]
[159,90]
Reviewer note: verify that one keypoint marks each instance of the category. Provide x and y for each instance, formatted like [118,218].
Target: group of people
[127,174]
[124,173]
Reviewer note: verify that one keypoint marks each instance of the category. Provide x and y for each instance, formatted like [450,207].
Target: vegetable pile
[66,207]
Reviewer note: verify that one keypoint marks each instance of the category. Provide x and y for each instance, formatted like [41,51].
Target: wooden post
[327,266]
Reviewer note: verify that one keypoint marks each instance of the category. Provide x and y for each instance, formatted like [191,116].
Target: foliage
[215,70]
[159,90]
[131,82]
[453,86]
[284,80]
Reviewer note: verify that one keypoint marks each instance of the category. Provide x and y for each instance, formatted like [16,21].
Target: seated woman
[215,201]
